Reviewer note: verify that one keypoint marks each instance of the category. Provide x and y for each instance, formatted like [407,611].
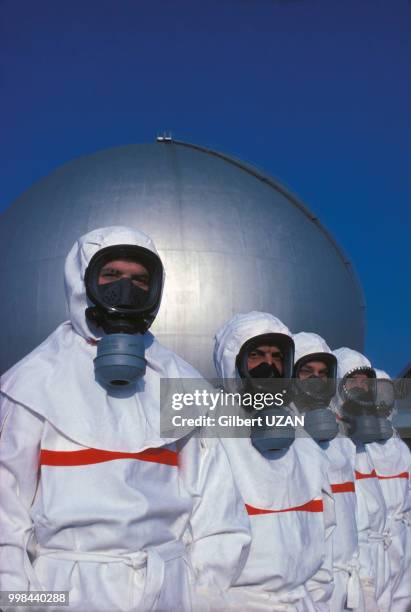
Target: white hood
[382,374]
[76,264]
[349,360]
[56,380]
[385,376]
[307,343]
[231,337]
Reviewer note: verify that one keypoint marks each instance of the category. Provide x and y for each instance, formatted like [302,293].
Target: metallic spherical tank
[231,240]
[402,416]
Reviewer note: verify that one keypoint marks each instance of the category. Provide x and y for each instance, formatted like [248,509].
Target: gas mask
[264,370]
[385,401]
[122,293]
[124,311]
[266,378]
[312,396]
[359,405]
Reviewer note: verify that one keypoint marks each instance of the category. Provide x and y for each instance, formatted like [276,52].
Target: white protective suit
[392,463]
[340,451]
[94,501]
[373,535]
[288,499]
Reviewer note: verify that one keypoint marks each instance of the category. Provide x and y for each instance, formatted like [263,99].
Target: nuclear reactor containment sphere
[231,240]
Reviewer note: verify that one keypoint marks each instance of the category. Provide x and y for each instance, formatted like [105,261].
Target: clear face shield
[385,397]
[358,389]
[385,403]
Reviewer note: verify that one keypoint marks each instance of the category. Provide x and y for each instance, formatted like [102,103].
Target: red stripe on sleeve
[402,475]
[343,487]
[315,505]
[89,456]
[361,476]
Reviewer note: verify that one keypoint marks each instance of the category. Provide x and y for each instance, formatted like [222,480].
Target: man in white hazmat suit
[315,374]
[94,501]
[355,405]
[285,491]
[391,459]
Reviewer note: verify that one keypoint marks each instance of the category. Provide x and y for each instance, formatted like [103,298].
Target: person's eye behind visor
[265,363]
[115,285]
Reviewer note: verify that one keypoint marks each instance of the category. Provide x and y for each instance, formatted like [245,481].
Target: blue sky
[315,92]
